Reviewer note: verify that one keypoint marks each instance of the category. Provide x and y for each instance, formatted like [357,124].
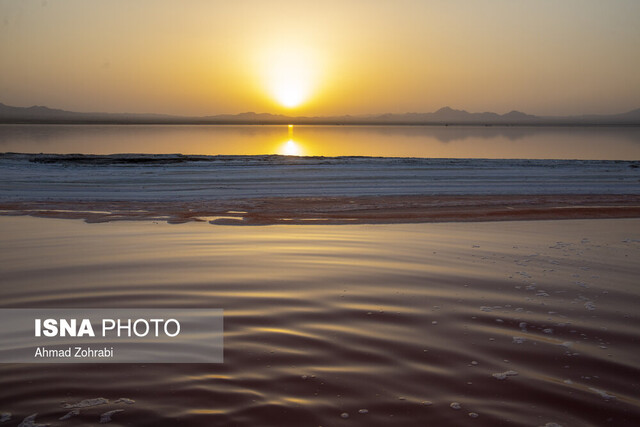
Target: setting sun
[290,75]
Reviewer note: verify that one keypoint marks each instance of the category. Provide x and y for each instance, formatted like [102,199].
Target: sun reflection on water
[290,147]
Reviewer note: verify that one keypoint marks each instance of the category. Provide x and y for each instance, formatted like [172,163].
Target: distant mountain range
[444,116]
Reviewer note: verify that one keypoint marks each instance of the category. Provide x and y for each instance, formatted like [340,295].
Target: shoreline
[339,210]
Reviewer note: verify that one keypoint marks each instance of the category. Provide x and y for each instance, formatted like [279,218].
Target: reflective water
[596,143]
[519,323]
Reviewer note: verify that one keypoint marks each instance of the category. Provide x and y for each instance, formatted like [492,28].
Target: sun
[290,75]
[290,87]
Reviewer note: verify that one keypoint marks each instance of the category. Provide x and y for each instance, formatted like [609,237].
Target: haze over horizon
[300,59]
[49,114]
[292,112]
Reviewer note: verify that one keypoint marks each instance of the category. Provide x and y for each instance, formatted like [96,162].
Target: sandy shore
[340,210]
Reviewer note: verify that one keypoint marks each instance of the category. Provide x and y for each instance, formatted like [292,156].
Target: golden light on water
[291,148]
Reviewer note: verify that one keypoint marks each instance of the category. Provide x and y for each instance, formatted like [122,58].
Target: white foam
[455,405]
[106,417]
[30,421]
[87,403]
[5,416]
[504,375]
[488,309]
[70,414]
[602,393]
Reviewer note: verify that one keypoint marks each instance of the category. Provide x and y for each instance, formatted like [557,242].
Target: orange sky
[321,58]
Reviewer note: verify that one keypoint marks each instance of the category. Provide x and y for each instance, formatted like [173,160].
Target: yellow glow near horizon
[290,75]
[321,58]
[291,148]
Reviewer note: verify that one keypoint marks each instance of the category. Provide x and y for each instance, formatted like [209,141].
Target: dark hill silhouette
[443,116]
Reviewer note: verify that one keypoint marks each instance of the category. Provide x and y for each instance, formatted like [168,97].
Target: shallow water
[388,324]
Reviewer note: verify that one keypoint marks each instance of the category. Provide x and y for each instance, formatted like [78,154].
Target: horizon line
[330,116]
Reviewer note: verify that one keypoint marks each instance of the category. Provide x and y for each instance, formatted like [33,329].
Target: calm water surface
[594,143]
[345,325]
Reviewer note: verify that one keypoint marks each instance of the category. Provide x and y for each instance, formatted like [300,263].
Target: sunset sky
[321,58]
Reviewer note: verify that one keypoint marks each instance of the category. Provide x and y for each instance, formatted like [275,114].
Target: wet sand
[468,324]
[340,210]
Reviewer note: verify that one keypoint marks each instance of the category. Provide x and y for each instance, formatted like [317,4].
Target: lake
[520,323]
[494,142]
